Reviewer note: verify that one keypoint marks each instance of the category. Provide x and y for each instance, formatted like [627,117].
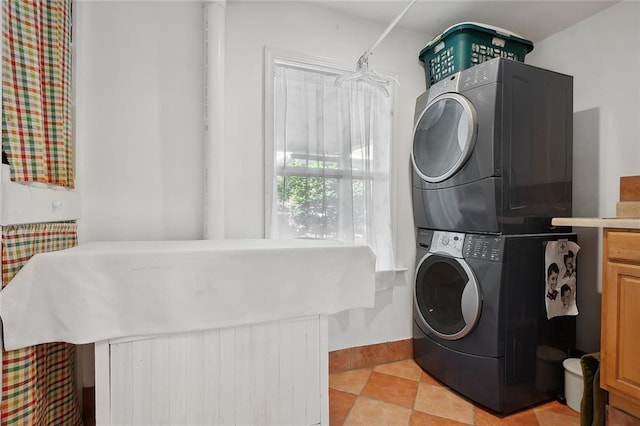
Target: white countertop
[106,290]
[598,222]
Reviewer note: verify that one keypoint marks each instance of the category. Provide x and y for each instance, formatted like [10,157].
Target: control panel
[478,75]
[447,242]
[484,247]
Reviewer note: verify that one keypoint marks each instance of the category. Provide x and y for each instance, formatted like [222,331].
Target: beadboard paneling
[273,373]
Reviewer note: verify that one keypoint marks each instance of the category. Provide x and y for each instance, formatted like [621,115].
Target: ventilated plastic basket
[467,44]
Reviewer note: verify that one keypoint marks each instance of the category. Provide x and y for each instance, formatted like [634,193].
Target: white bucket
[573,382]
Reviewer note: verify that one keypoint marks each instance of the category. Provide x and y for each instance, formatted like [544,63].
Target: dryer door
[447,296]
[444,137]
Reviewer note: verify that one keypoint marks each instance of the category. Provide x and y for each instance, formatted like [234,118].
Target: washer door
[447,296]
[444,137]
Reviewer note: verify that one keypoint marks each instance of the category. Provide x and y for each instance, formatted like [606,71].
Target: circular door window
[444,137]
[447,296]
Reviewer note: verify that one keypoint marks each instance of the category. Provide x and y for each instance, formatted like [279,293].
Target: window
[328,158]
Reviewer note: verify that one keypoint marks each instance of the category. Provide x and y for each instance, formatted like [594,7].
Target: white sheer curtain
[332,160]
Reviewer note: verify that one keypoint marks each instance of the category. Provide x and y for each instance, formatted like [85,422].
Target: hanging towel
[560,288]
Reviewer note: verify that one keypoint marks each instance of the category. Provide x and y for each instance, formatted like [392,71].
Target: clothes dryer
[480,323]
[492,150]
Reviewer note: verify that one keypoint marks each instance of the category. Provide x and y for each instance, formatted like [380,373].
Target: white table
[195,332]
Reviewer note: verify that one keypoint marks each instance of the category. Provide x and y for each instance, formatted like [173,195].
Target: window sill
[390,278]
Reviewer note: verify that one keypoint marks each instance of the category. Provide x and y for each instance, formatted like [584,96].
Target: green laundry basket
[467,44]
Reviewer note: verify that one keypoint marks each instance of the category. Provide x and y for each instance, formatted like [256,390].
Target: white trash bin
[573,382]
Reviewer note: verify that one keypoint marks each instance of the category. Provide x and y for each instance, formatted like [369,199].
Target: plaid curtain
[38,383]
[36,90]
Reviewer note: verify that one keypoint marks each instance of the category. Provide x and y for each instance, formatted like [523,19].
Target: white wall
[139,119]
[602,53]
[139,122]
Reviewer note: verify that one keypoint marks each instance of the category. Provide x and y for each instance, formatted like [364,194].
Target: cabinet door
[621,329]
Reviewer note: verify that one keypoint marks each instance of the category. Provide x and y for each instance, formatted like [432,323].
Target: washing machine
[492,150]
[480,323]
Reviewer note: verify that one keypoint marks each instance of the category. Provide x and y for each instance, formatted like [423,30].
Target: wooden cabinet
[620,347]
[620,337]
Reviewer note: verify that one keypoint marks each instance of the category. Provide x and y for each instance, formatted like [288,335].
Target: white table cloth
[107,290]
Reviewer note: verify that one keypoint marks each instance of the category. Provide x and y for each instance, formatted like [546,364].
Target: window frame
[273,56]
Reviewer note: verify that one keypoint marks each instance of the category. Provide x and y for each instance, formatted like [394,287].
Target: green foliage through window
[310,203]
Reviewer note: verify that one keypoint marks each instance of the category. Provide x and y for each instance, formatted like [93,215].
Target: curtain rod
[368,53]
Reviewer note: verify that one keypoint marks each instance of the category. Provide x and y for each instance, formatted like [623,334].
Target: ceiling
[532,20]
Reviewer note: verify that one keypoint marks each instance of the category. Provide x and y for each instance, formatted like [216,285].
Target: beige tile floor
[400,393]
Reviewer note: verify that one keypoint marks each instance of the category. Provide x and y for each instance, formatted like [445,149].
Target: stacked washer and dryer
[492,164]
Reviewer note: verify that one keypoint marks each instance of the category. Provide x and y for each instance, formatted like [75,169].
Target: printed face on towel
[552,276]
[569,263]
[565,295]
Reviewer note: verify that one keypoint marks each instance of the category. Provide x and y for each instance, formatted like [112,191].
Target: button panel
[448,243]
[484,247]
